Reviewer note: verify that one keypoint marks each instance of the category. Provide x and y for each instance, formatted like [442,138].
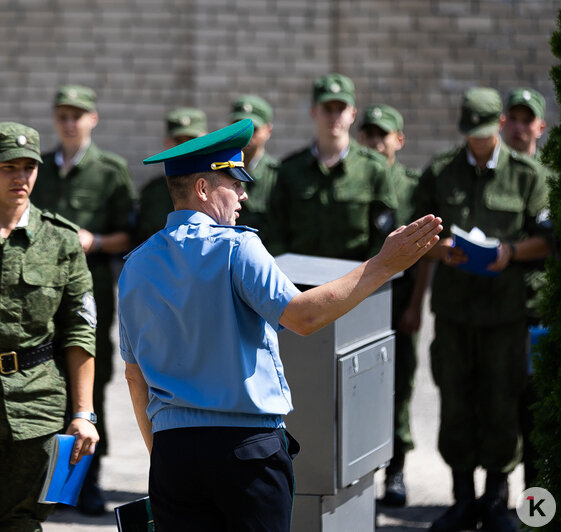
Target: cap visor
[238,173]
[20,153]
[77,104]
[382,124]
[480,132]
[335,97]
[528,105]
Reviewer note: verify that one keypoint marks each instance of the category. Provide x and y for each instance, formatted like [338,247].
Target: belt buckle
[15,364]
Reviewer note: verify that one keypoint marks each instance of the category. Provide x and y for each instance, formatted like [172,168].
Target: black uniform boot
[395,492]
[463,514]
[493,505]
[91,500]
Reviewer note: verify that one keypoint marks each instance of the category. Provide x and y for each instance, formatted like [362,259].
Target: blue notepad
[480,250]
[64,480]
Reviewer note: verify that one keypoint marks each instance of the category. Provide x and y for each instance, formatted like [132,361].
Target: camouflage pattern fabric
[345,211]
[45,294]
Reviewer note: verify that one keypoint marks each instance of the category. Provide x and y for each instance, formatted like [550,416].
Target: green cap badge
[186,122]
[76,96]
[530,98]
[219,150]
[480,112]
[334,87]
[253,107]
[17,140]
[385,117]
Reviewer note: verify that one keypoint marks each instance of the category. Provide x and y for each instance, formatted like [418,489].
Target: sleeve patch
[88,310]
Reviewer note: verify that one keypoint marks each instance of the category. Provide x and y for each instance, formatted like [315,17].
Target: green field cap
[252,107]
[76,96]
[219,150]
[17,140]
[385,117]
[481,110]
[334,87]
[530,98]
[186,122]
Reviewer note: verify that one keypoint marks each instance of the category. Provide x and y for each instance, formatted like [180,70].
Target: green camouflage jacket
[344,211]
[96,195]
[508,203]
[45,294]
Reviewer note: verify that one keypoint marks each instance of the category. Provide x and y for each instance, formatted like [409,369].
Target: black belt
[12,361]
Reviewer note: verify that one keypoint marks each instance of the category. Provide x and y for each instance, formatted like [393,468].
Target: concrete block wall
[145,57]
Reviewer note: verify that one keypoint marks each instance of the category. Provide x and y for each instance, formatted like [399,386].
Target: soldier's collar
[77,159]
[492,162]
[24,219]
[315,152]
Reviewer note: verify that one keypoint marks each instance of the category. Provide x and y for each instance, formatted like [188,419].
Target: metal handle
[384,354]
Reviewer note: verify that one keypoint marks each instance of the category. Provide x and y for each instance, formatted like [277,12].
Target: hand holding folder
[64,480]
[480,250]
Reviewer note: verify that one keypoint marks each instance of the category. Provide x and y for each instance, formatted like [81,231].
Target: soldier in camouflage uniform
[524,126]
[382,130]
[182,124]
[478,353]
[47,335]
[260,165]
[333,198]
[92,188]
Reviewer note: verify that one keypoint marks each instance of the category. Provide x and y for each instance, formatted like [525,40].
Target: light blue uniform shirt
[199,310]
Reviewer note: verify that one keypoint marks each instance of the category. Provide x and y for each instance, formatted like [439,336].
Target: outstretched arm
[311,310]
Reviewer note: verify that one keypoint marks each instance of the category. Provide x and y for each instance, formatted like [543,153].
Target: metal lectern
[342,383]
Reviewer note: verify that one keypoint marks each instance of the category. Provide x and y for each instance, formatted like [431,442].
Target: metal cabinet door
[365,406]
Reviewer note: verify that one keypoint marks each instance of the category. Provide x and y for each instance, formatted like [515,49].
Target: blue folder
[64,480]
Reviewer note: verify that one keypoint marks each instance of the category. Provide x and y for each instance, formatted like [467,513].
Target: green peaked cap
[219,150]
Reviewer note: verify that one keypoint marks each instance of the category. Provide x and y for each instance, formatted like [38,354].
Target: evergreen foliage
[547,378]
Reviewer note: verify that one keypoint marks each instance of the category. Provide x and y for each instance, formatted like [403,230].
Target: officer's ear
[201,188]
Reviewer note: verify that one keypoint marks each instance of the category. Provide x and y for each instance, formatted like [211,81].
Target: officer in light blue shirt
[200,304]
[234,378]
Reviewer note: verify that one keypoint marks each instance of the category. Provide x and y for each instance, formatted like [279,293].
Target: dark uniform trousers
[23,465]
[480,371]
[222,478]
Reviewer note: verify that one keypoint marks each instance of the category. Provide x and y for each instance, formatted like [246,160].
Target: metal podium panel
[365,404]
[371,320]
[313,271]
[310,369]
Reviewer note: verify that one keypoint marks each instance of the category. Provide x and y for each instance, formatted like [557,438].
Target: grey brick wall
[145,57]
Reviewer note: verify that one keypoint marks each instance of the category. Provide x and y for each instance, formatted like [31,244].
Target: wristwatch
[90,416]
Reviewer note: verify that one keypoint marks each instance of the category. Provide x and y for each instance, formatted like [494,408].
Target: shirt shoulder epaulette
[112,159]
[525,160]
[59,220]
[133,251]
[237,228]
